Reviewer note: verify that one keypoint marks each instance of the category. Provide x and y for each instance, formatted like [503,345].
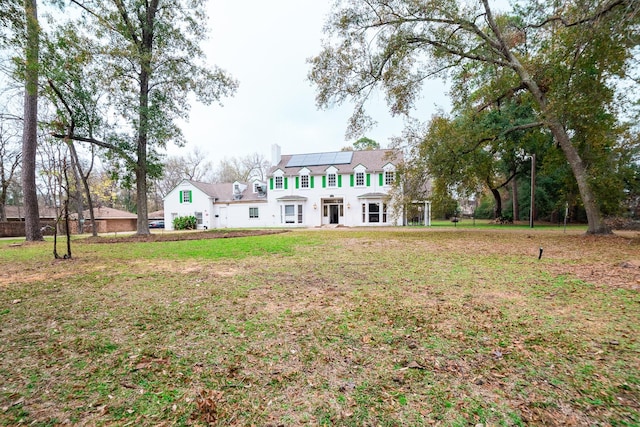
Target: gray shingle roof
[372,160]
[223,192]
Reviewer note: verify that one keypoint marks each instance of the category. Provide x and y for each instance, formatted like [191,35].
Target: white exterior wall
[173,207]
[215,214]
[236,215]
[341,203]
[344,195]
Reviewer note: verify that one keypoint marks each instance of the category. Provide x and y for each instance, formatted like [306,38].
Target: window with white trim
[289,214]
[278,182]
[331,180]
[198,216]
[304,181]
[253,213]
[359,179]
[374,212]
[389,177]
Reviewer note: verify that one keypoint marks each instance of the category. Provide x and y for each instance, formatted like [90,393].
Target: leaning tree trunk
[30,133]
[594,216]
[85,184]
[497,212]
[595,221]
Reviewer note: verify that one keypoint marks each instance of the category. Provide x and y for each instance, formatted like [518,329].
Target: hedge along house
[348,188]
[226,205]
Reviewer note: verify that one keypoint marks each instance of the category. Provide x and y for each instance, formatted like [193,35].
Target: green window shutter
[380,178]
[270,183]
[297,182]
[180,196]
[324,181]
[351,180]
[368,180]
[339,181]
[286,182]
[311,181]
[190,199]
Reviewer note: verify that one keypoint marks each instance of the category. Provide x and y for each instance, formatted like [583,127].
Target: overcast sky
[265,45]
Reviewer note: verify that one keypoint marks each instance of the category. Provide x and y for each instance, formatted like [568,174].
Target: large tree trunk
[141,166]
[30,133]
[143,128]
[594,217]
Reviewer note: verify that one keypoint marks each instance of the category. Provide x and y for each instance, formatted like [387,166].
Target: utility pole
[533,190]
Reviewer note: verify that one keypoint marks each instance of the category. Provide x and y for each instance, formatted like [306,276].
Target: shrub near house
[185,223]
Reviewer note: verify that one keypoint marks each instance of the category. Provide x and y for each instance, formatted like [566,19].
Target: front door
[222,217]
[334,214]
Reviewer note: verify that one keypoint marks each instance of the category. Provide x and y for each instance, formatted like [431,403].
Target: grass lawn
[449,326]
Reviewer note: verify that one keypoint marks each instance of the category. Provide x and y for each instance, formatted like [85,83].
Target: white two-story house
[349,188]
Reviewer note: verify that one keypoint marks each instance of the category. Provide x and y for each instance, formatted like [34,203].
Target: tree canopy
[146,54]
[566,61]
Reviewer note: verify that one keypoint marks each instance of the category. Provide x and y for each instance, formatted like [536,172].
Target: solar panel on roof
[317,159]
[343,157]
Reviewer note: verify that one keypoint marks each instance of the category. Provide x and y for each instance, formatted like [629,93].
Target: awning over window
[292,199]
[373,196]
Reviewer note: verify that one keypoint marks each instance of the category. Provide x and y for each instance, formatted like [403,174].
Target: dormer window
[256,187]
[359,179]
[278,182]
[331,180]
[304,181]
[389,177]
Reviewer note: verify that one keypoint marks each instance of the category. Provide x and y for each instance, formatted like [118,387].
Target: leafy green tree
[150,61]
[365,143]
[484,148]
[566,59]
[12,19]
